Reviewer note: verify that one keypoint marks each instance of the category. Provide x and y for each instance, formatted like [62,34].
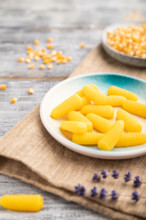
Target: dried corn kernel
[49,46]
[24,203]
[87,139]
[131,139]
[31,66]
[46,61]
[135,108]
[114,100]
[74,126]
[105,111]
[29,48]
[77,116]
[82,45]
[13,100]
[100,124]
[111,138]
[131,124]
[30,91]
[36,42]
[27,60]
[70,104]
[94,95]
[42,66]
[43,50]
[50,66]
[69,58]
[36,58]
[20,59]
[3,86]
[114,90]
[50,40]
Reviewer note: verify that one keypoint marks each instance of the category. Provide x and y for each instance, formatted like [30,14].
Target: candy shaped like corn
[25,203]
[87,139]
[131,139]
[77,116]
[74,126]
[131,124]
[114,90]
[99,123]
[105,111]
[135,108]
[72,103]
[111,138]
[94,95]
[84,101]
[80,92]
[115,100]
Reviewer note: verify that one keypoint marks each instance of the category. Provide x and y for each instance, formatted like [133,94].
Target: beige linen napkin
[29,153]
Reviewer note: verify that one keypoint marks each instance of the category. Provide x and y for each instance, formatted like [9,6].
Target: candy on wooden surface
[74,126]
[99,123]
[131,139]
[114,90]
[74,102]
[77,116]
[115,100]
[111,138]
[135,108]
[131,123]
[88,138]
[25,203]
[105,111]
[94,95]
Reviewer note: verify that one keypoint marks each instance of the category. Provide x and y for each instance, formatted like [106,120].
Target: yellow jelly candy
[88,138]
[114,90]
[99,123]
[111,138]
[84,101]
[131,139]
[94,95]
[105,111]
[77,116]
[72,103]
[131,124]
[115,100]
[80,92]
[74,126]
[25,203]
[135,108]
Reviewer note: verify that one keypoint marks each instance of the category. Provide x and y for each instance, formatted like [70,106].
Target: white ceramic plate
[127,59]
[68,87]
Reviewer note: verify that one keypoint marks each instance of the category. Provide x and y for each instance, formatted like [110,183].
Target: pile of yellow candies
[130,40]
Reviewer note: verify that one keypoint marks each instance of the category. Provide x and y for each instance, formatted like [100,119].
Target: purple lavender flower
[104,174]
[103,193]
[137,181]
[127,176]
[115,174]
[94,191]
[135,196]
[80,190]
[96,177]
[114,195]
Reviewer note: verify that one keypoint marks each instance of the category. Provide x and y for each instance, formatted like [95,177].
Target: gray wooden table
[69,23]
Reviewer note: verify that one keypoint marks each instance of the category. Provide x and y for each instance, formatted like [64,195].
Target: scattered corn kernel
[42,66]
[29,48]
[69,58]
[27,60]
[50,66]
[36,58]
[36,42]
[3,86]
[49,46]
[31,66]
[50,39]
[20,60]
[82,45]
[13,100]
[30,91]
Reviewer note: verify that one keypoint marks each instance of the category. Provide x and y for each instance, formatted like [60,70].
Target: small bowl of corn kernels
[126,42]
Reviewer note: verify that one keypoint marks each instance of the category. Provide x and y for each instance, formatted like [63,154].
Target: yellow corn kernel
[59,61]
[131,139]
[46,61]
[94,95]
[50,66]
[24,203]
[111,138]
[49,46]
[36,58]
[13,100]
[74,126]
[72,103]
[69,58]
[30,91]
[114,90]
[135,108]
[27,60]
[3,86]
[20,59]
[115,100]
[36,42]
[100,124]
[42,66]
[65,61]
[29,48]
[82,45]
[77,116]
[87,139]
[131,124]
[50,40]
[31,66]
[80,92]
[105,111]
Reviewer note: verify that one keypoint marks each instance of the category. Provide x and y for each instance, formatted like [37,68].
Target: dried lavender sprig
[80,190]
[114,195]
[115,174]
[96,177]
[137,181]
[135,196]
[103,193]
[104,174]
[127,176]
[94,191]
